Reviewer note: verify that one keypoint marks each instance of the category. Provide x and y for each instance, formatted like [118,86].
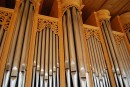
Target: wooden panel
[54,10]
[90,6]
[116,25]
[114,5]
[46,7]
[126,8]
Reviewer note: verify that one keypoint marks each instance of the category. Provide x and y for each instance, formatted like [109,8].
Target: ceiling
[116,7]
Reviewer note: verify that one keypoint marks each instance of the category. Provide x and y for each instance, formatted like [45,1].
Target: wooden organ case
[60,50]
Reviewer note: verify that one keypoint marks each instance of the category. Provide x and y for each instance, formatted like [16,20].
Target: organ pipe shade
[114,55]
[46,59]
[99,68]
[75,68]
[15,71]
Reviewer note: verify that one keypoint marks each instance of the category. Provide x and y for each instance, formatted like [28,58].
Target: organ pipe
[50,60]
[67,60]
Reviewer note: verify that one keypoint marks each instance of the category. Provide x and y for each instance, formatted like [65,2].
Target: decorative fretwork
[118,37]
[91,31]
[66,4]
[47,22]
[5,17]
[103,15]
[126,27]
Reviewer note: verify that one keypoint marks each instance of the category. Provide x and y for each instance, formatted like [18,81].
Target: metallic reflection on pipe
[66,49]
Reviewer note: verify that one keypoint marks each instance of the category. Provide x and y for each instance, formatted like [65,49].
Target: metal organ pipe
[35,59]
[38,59]
[50,60]
[57,60]
[83,47]
[46,82]
[66,50]
[25,50]
[93,64]
[54,60]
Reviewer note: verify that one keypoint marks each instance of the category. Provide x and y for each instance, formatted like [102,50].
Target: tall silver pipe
[99,60]
[50,60]
[96,61]
[105,71]
[35,59]
[66,49]
[25,50]
[38,59]
[46,58]
[57,61]
[93,64]
[54,60]
[83,47]
[72,50]
[124,74]
[43,58]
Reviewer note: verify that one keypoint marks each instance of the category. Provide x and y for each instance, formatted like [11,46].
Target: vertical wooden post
[61,47]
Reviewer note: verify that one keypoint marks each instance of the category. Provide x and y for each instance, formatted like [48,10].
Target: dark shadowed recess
[46,7]
[7,3]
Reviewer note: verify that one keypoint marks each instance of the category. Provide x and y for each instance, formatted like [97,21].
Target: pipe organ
[98,64]
[37,50]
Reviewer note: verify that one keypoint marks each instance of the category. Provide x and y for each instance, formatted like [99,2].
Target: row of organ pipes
[46,61]
[121,76]
[15,68]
